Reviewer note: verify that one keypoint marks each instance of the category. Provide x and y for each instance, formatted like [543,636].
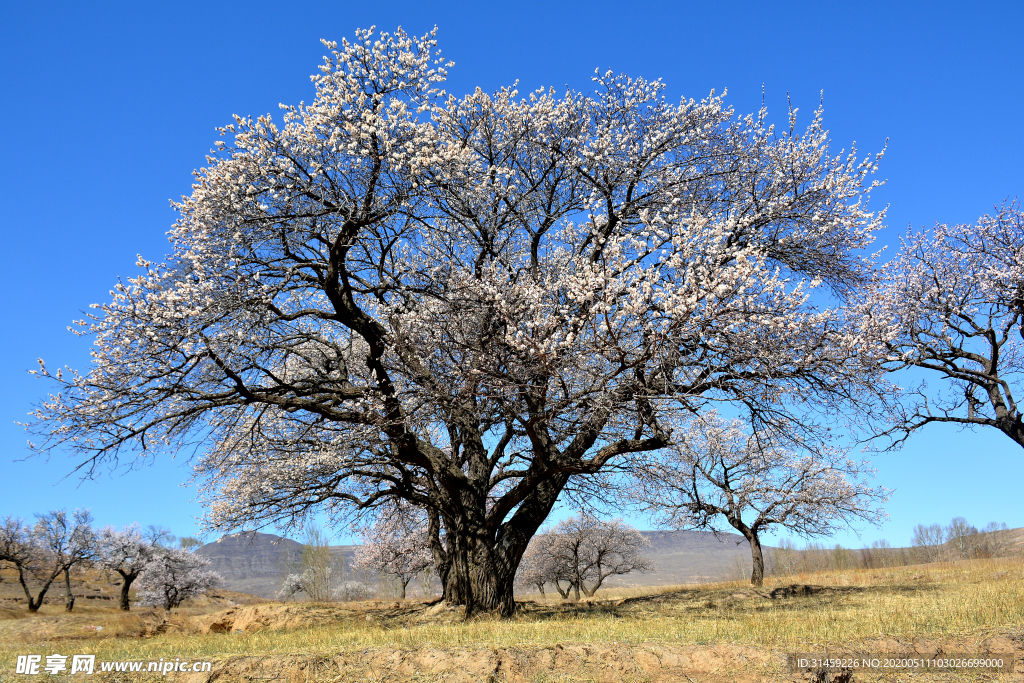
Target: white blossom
[173,576]
[397,544]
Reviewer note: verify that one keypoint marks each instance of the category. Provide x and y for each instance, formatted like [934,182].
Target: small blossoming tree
[397,544]
[127,553]
[173,576]
[539,566]
[584,550]
[718,473]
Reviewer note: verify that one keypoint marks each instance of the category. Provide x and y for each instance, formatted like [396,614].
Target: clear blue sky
[107,108]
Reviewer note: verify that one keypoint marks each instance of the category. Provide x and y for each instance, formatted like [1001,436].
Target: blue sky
[107,108]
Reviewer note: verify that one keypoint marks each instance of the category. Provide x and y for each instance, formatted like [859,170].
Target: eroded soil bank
[569,663]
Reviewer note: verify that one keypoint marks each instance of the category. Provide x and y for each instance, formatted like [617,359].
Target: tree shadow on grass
[792,597]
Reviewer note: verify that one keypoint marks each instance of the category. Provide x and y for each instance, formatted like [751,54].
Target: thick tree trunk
[404,582]
[69,603]
[563,593]
[482,555]
[485,541]
[476,577]
[126,585]
[757,574]
[33,603]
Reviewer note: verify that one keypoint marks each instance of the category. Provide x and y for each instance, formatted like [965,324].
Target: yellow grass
[928,601]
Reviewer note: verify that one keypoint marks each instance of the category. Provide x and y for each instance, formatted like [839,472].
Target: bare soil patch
[654,663]
[570,663]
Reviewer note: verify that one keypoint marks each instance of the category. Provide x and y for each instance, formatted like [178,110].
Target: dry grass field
[701,634]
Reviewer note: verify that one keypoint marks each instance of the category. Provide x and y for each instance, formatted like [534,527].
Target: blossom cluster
[951,302]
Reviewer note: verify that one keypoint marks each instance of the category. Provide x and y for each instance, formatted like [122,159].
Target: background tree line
[930,543]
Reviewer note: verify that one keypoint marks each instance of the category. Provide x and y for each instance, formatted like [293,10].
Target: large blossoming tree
[466,303]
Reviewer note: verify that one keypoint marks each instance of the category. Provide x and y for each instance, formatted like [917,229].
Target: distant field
[706,633]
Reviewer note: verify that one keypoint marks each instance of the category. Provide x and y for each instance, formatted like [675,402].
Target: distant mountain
[251,562]
[255,563]
[691,557]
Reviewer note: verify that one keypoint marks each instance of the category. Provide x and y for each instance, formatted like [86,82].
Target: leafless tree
[67,541]
[718,473]
[322,569]
[881,554]
[16,548]
[991,540]
[44,551]
[928,541]
[960,535]
[159,536]
[189,543]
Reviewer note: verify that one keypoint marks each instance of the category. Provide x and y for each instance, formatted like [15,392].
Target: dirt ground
[653,663]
